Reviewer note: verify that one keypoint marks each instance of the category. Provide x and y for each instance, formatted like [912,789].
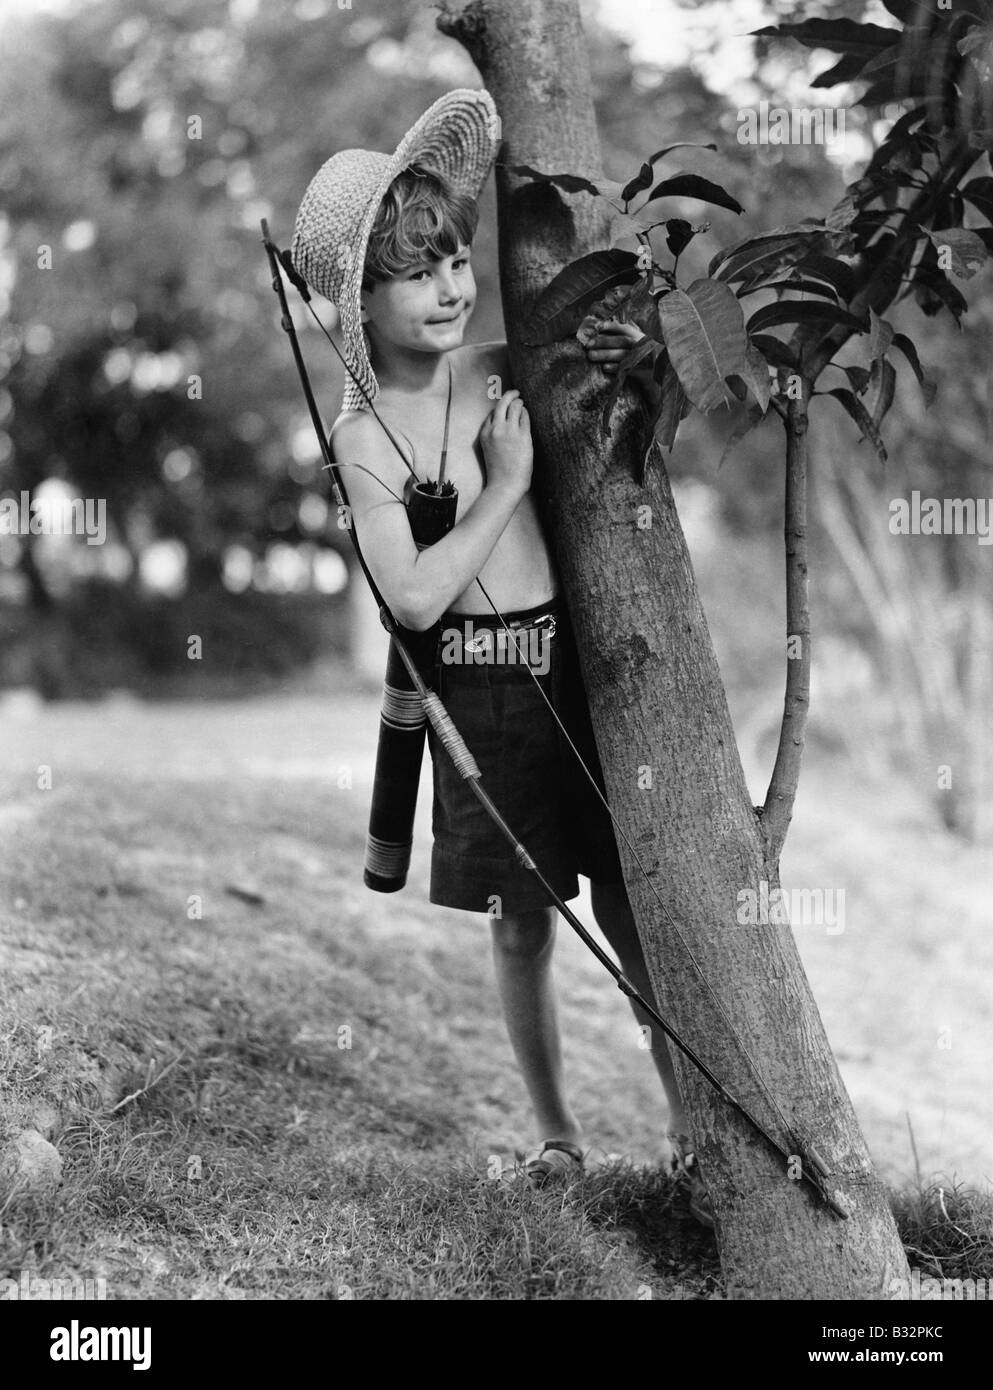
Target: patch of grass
[946,1229]
[450,1232]
[276,1101]
[304,1094]
[200,1187]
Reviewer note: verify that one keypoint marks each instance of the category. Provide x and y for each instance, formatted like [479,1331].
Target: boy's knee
[525,934]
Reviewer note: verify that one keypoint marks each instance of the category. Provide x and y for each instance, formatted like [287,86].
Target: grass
[265,1082]
[947,1231]
[267,1162]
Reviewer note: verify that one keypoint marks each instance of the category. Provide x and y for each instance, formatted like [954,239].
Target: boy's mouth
[451,318]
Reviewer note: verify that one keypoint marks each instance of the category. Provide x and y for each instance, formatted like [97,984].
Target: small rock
[32,1162]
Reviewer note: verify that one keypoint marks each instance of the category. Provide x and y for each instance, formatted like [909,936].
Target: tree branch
[881,288]
[777,811]
[879,292]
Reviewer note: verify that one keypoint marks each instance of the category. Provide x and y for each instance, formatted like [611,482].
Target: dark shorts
[529,772]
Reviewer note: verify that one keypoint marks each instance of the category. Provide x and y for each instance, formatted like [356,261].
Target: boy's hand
[506,442]
[609,342]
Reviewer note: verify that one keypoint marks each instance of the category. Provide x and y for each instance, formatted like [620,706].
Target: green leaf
[640,307]
[569,183]
[776,352]
[934,291]
[757,382]
[646,219]
[630,359]
[802,311]
[885,375]
[836,273]
[692,186]
[885,91]
[774,251]
[968,253]
[672,407]
[885,62]
[859,377]
[861,417]
[979,193]
[683,145]
[880,336]
[845,70]
[843,214]
[754,416]
[679,236]
[906,346]
[794,283]
[641,181]
[562,304]
[904,139]
[704,333]
[838,35]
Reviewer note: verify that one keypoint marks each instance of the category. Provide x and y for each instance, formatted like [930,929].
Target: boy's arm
[418,586]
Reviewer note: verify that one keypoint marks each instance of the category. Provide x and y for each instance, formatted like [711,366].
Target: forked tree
[778,320]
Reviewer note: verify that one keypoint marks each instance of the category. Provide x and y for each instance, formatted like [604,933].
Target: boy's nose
[448,289]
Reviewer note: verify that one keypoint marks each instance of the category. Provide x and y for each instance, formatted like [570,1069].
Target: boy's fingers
[631,331]
[504,403]
[619,341]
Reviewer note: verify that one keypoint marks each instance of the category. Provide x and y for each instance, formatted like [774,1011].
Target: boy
[388,239]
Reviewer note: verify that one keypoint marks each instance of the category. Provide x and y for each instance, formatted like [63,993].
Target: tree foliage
[899,231]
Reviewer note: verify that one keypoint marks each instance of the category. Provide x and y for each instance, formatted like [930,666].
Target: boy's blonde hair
[420,218]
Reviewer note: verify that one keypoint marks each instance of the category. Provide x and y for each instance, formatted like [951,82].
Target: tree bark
[658,702]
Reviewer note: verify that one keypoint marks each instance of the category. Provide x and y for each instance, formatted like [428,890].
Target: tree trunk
[658,702]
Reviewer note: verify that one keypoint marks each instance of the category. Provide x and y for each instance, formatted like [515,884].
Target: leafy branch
[899,231]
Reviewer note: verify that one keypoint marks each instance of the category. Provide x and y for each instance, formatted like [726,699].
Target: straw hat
[457,138]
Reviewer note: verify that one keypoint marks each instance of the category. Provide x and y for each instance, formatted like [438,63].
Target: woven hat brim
[457,137]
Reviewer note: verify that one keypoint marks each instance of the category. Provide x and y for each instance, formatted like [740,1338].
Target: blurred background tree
[142,140]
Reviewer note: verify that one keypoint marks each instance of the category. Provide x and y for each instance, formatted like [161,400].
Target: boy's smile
[422,309]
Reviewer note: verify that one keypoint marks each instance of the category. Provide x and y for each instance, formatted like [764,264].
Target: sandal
[683,1165]
[556,1160]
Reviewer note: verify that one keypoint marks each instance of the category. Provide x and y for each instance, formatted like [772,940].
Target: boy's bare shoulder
[357,434]
[357,438]
[491,359]
[352,429]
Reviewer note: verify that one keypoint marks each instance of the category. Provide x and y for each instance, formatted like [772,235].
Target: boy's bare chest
[465,465]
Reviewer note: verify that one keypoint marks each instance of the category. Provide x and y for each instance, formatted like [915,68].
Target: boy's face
[424,308]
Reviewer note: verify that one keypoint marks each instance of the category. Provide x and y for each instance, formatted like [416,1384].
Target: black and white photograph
[496,666]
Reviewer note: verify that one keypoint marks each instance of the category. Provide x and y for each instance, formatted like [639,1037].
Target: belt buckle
[549,619]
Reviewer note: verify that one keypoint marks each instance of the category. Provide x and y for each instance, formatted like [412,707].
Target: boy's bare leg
[522,954]
[616,920]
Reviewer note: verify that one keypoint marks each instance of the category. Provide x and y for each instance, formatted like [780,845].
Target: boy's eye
[459,263]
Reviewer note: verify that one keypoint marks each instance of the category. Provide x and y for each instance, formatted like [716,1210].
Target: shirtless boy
[389,239]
